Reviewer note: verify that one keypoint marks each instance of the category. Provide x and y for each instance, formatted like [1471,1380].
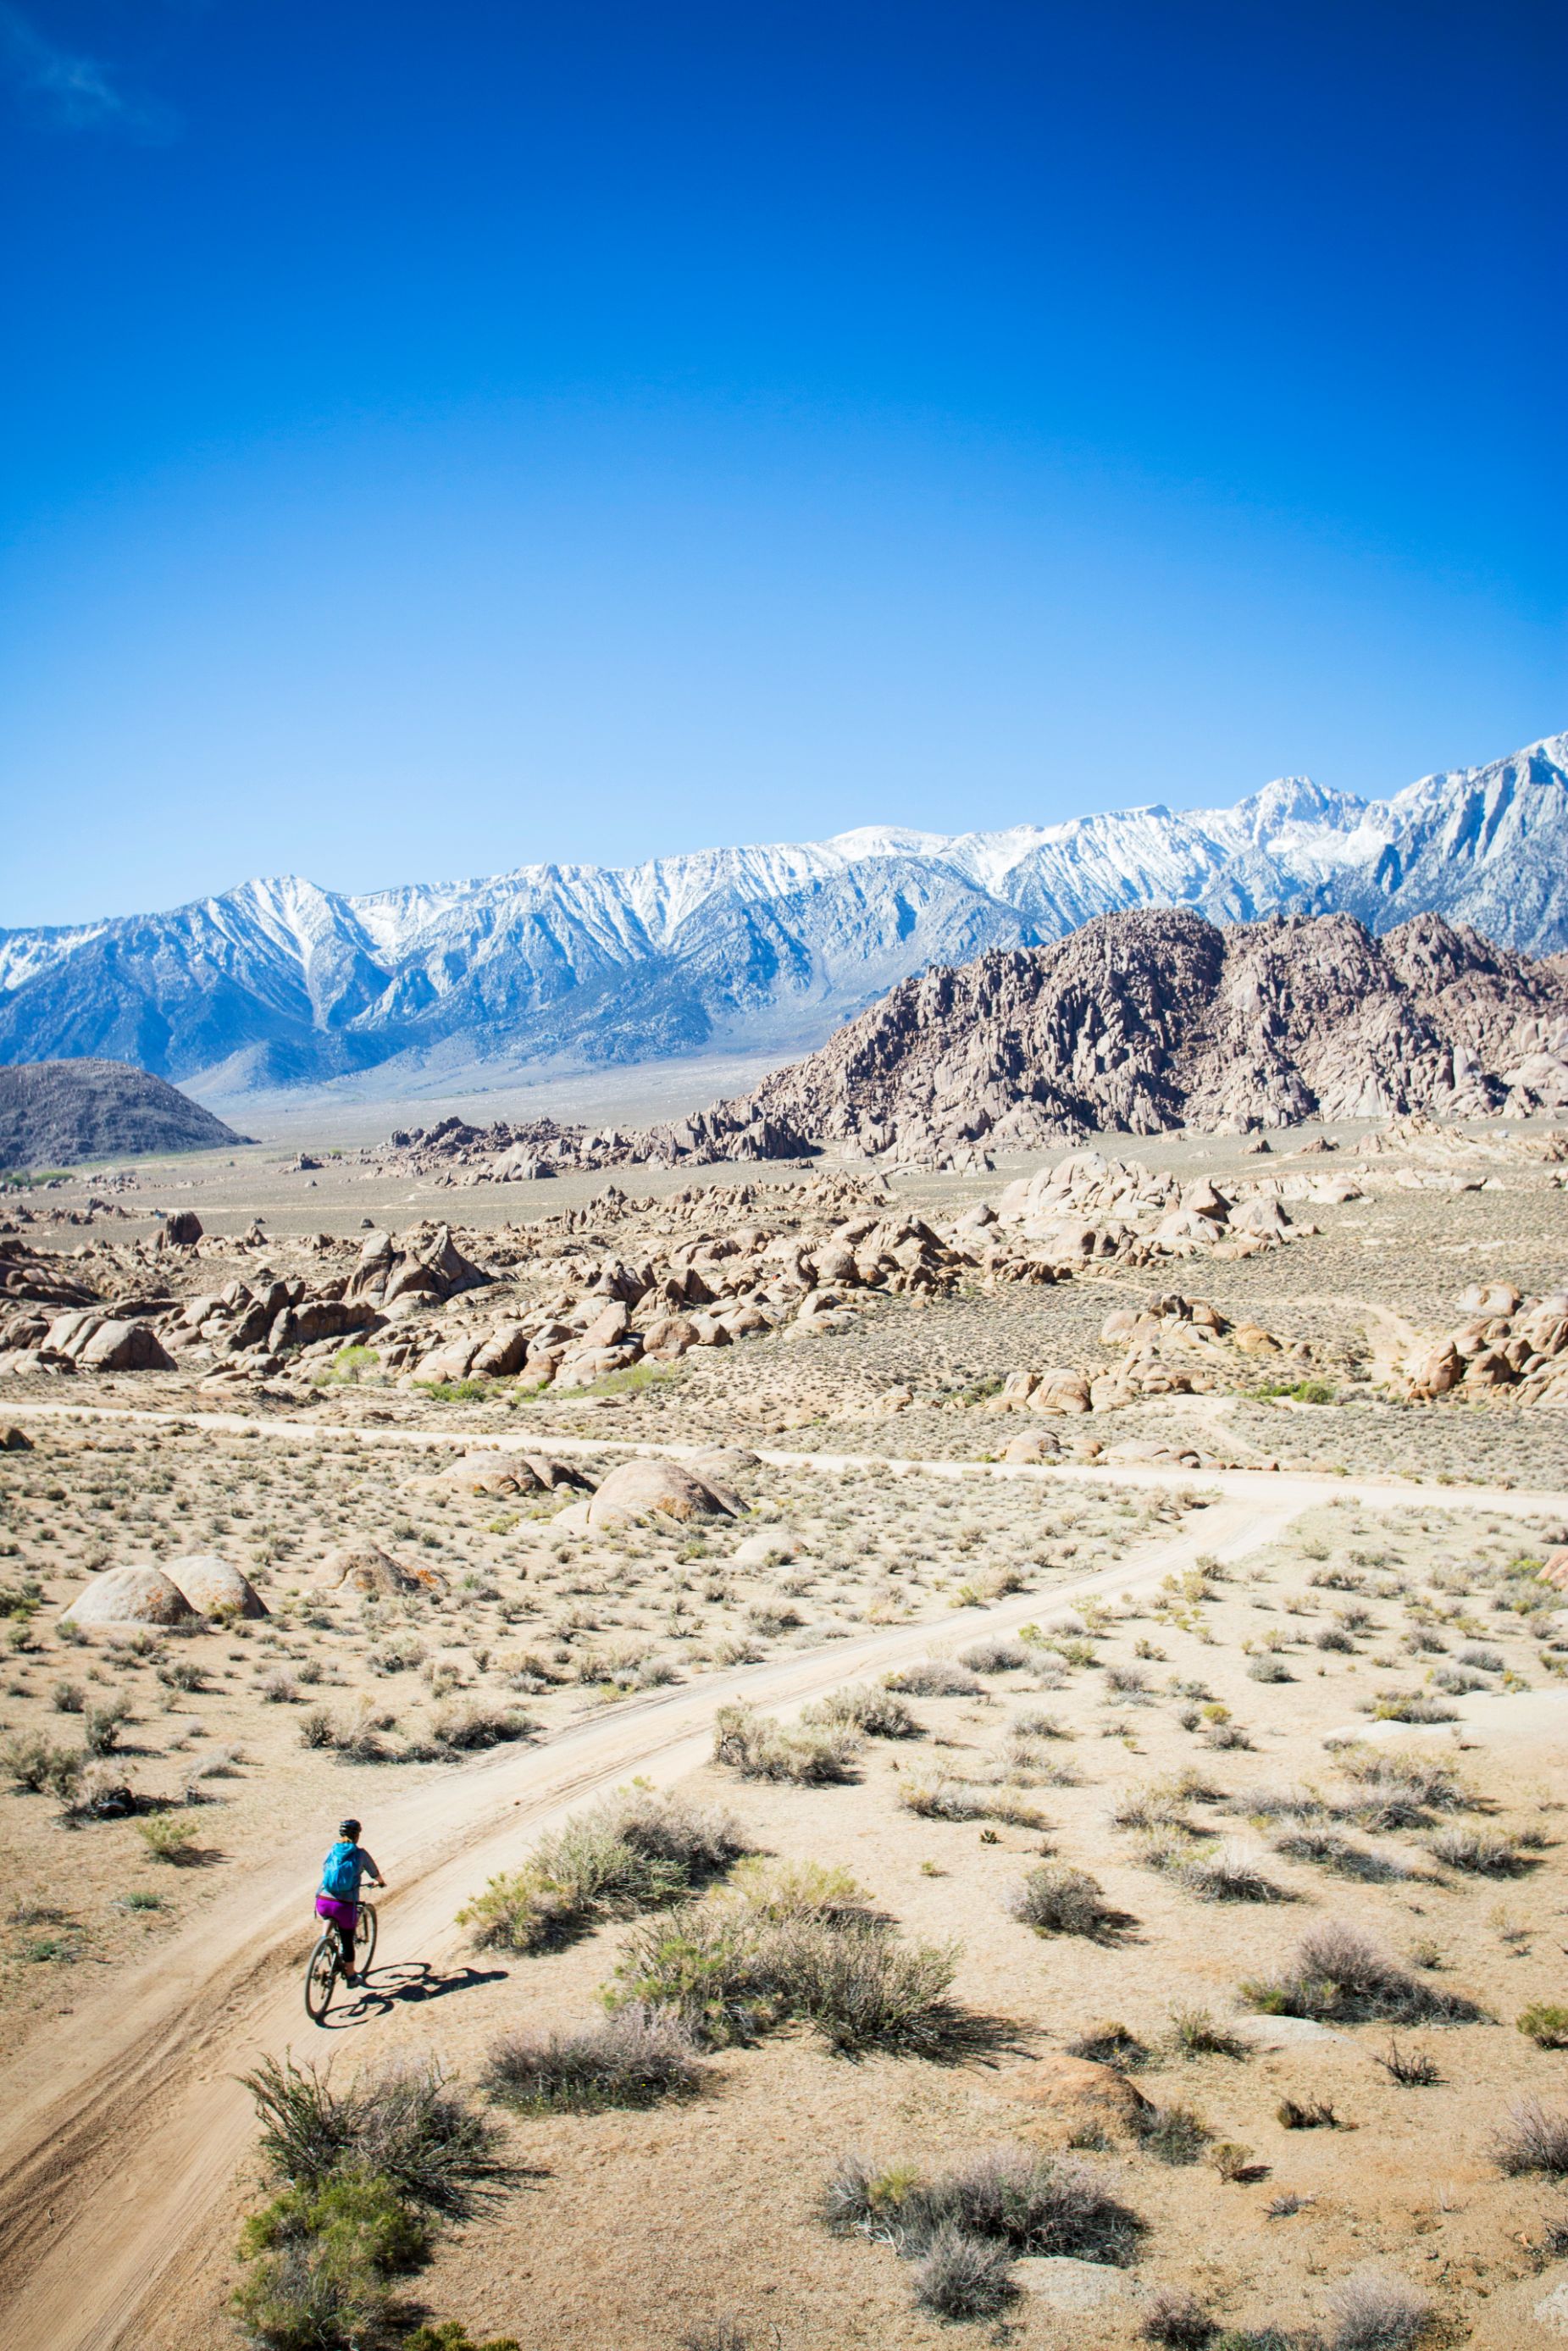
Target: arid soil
[459,1650]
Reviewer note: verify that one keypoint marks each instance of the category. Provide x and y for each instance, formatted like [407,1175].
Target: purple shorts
[342,1915]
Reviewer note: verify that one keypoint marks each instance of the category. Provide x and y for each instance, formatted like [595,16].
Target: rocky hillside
[1144,1021]
[279,982]
[58,1113]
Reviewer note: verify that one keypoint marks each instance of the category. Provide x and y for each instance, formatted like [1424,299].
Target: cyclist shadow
[400,1985]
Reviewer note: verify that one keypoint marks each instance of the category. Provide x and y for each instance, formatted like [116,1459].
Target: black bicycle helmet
[349,1829]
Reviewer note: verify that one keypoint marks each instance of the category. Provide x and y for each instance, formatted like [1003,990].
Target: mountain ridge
[281,982]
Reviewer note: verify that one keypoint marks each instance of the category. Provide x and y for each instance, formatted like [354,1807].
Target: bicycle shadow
[400,1985]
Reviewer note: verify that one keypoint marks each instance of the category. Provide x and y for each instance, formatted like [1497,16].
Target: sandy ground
[135,1988]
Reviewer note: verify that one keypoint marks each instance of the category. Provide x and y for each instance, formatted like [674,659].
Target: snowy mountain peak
[282,981]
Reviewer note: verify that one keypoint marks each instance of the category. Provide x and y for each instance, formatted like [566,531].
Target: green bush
[759,1749]
[638,1852]
[1545,2025]
[633,2058]
[363,2175]
[730,1967]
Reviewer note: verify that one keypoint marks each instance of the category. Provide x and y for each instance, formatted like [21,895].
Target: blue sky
[436,439]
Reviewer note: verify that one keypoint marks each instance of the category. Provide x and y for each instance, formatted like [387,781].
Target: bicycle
[325,1964]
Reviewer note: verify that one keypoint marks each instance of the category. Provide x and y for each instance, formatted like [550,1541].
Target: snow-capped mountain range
[279,982]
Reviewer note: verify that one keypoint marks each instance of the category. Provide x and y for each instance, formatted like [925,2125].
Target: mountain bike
[325,1964]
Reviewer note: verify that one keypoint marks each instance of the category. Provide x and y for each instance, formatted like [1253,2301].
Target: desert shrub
[1232,1875]
[716,2335]
[1533,2139]
[1034,1724]
[1032,2202]
[100,1792]
[279,1687]
[878,1713]
[29,1760]
[637,1852]
[1269,1670]
[67,1697]
[168,1836]
[451,2334]
[1405,1787]
[1178,2322]
[995,1654]
[936,1678]
[1374,2312]
[1306,2114]
[1195,2034]
[1480,1853]
[797,1889]
[315,1729]
[1412,2068]
[1545,2025]
[1338,1975]
[364,2175]
[1487,1661]
[318,2264]
[729,1969]
[1174,2134]
[1412,1706]
[1111,2045]
[1332,1851]
[944,1798]
[635,2057]
[760,1749]
[470,1723]
[961,2276]
[1056,1900]
[1458,1681]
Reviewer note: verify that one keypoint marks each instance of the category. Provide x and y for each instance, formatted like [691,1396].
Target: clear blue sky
[434,438]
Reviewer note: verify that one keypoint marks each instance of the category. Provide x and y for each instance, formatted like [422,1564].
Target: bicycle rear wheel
[321,1976]
[364,1939]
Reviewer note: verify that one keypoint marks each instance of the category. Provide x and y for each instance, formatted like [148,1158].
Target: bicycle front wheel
[321,1977]
[364,1939]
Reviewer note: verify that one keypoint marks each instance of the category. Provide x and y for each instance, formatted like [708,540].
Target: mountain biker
[339,1899]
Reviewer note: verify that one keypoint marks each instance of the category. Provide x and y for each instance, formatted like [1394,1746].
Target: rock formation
[58,1113]
[1144,1021]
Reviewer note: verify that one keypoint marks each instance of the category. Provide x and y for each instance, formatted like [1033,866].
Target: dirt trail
[123,2123]
[1260,1485]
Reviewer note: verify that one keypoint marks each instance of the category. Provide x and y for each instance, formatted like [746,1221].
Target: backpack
[341,1878]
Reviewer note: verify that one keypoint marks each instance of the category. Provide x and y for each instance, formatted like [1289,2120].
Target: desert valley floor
[1071,1713]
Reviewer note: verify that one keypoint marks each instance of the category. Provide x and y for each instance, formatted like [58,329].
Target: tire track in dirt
[124,2127]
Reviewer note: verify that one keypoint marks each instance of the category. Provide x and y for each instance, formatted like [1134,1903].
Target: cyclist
[339,1900]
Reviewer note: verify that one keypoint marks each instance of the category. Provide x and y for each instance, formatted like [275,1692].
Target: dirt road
[123,2123]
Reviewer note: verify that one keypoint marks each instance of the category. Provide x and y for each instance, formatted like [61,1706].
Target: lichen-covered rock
[129,1595]
[213,1587]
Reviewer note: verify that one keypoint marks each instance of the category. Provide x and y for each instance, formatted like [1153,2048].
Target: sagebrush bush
[363,2175]
[1056,1900]
[1178,2322]
[729,1969]
[943,1797]
[1533,2139]
[1013,2196]
[760,1749]
[996,1654]
[1232,1875]
[635,2057]
[1338,1974]
[1173,2133]
[467,1724]
[865,1707]
[636,1852]
[936,1678]
[1545,2024]
[961,2276]
[1374,2311]
[1480,1853]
